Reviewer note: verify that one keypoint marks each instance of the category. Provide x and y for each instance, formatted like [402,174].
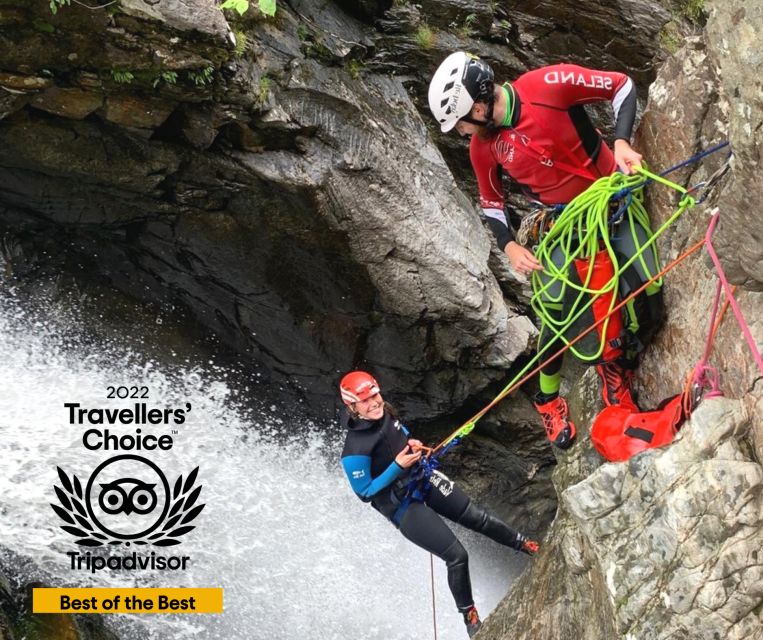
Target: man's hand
[521,258]
[406,459]
[626,157]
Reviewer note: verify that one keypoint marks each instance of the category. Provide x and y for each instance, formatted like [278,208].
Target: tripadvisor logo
[126,501]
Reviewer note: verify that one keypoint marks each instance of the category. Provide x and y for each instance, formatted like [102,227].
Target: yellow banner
[127,600]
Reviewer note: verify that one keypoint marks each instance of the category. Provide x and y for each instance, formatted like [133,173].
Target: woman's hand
[415,445]
[407,459]
[521,258]
[626,156]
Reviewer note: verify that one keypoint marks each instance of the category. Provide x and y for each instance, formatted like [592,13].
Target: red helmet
[357,386]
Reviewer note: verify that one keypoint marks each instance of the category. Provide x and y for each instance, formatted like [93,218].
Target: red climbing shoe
[472,621]
[556,419]
[616,385]
[530,547]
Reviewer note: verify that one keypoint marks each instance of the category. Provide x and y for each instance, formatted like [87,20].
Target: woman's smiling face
[371,408]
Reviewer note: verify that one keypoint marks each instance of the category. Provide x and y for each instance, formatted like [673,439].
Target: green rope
[686,203]
[578,233]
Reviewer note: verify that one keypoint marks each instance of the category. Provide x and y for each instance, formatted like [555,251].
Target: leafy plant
[122,77]
[425,36]
[55,4]
[267,7]
[467,29]
[168,77]
[202,77]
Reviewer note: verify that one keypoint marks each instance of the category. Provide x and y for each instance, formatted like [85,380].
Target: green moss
[263,91]
[466,30]
[671,38]
[43,26]
[355,67]
[241,43]
[694,10]
[425,36]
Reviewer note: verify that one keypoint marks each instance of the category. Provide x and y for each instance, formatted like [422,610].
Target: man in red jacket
[537,131]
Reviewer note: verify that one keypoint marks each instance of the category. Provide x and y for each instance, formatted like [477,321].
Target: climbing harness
[535,225]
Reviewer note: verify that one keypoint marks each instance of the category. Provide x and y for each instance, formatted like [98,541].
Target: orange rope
[633,294]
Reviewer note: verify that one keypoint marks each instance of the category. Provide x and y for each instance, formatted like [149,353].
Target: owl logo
[141,499]
[127,500]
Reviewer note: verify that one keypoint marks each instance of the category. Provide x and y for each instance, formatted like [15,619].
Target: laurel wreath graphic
[175,524]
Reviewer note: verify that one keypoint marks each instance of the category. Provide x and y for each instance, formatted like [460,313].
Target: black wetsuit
[368,459]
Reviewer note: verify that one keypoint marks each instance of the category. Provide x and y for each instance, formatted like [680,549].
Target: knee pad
[455,555]
[473,517]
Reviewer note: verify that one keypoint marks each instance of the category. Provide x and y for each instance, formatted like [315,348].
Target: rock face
[270,194]
[733,30]
[666,545]
[691,109]
[269,177]
[677,533]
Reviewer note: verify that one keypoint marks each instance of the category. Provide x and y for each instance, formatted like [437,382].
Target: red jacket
[552,149]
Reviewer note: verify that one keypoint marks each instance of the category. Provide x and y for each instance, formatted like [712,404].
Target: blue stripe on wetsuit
[358,470]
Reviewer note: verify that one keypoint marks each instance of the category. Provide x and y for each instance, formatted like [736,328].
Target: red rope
[434,608]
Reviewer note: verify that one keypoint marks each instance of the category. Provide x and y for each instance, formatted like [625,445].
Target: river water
[298,555]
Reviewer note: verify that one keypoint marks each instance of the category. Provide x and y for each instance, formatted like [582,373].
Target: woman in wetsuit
[379,457]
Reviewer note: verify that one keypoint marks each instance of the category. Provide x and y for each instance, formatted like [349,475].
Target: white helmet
[460,81]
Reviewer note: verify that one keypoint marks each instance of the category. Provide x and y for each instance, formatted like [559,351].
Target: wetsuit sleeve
[358,470]
[571,85]
[488,174]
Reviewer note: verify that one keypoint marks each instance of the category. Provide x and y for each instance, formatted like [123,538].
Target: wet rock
[732,29]
[130,110]
[68,103]
[197,16]
[17,622]
[23,84]
[677,531]
[507,462]
[690,110]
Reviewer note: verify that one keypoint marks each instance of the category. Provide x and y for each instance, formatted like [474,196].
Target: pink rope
[729,294]
[704,376]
